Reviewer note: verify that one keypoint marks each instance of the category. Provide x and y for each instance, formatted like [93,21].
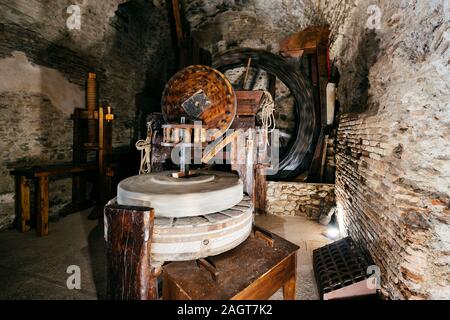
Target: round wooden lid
[200,93]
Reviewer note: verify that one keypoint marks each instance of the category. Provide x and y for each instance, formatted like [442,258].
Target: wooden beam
[42,206]
[23,203]
[260,189]
[176,9]
[272,87]
[128,234]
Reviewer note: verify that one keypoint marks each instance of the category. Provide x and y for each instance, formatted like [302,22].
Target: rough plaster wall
[393,158]
[19,74]
[221,24]
[43,66]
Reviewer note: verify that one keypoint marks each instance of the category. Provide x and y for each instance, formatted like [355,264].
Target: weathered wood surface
[305,41]
[27,175]
[218,111]
[260,189]
[23,208]
[42,206]
[248,102]
[128,235]
[48,170]
[254,270]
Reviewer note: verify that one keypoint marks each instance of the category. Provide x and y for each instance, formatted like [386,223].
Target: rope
[145,146]
[267,115]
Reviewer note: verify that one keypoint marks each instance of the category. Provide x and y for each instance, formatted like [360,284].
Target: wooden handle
[208,266]
[264,235]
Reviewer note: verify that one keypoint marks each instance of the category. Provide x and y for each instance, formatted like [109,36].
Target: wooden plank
[128,234]
[248,102]
[23,205]
[272,87]
[65,168]
[218,146]
[305,41]
[265,286]
[42,206]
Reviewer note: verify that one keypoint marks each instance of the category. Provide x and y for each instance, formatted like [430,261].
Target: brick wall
[393,163]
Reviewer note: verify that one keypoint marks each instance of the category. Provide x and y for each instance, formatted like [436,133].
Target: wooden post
[104,158]
[23,203]
[260,190]
[42,206]
[289,288]
[128,232]
[79,156]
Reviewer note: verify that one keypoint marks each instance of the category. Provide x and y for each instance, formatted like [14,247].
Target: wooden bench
[24,178]
[255,270]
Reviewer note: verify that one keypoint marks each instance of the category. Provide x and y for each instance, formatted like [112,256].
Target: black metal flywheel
[299,136]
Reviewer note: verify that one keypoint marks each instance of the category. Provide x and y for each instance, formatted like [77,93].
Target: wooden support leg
[289,288]
[78,189]
[42,206]
[23,203]
[128,232]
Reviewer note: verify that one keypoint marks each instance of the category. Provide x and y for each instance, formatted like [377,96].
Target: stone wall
[393,163]
[299,199]
[43,67]
[222,24]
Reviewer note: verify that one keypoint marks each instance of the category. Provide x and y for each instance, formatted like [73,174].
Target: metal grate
[339,265]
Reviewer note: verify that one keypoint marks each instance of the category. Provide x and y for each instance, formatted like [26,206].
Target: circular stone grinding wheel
[184,239]
[203,193]
[200,93]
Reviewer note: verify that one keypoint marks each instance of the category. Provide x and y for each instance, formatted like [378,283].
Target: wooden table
[24,177]
[255,270]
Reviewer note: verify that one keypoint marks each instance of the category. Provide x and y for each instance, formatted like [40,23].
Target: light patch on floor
[308,236]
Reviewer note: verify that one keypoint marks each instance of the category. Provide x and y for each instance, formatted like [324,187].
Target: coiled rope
[267,115]
[145,146]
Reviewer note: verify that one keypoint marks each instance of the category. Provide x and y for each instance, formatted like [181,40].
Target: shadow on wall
[356,90]
[143,47]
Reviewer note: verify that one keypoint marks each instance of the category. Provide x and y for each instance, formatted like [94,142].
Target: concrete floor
[35,268]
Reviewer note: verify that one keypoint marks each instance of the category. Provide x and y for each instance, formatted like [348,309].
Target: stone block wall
[43,68]
[299,199]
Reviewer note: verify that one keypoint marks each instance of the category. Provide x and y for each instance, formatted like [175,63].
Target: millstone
[184,239]
[205,193]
